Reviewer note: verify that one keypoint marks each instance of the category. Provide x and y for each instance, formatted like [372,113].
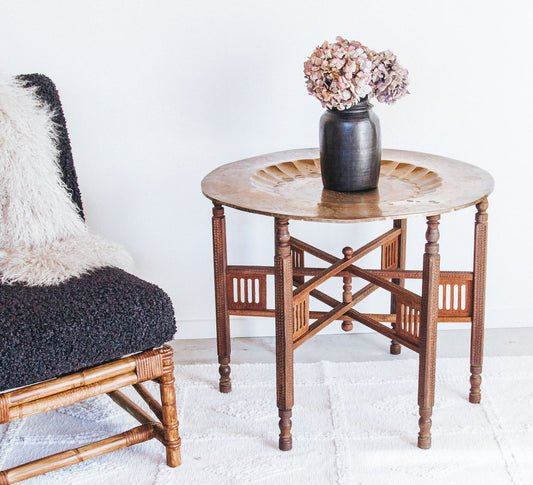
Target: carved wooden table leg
[478,315]
[395,347]
[221,297]
[428,331]
[284,331]
[347,325]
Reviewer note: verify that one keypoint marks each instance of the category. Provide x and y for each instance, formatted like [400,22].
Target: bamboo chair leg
[170,423]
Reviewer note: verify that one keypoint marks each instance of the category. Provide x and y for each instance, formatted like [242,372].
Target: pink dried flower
[389,78]
[338,74]
[341,73]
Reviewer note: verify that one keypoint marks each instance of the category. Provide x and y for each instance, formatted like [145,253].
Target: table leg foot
[224,370]
[347,326]
[395,348]
[285,425]
[424,423]
[475,385]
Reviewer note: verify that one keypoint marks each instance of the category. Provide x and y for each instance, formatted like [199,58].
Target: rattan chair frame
[156,365]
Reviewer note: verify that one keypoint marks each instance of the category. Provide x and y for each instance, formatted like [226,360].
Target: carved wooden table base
[452,296]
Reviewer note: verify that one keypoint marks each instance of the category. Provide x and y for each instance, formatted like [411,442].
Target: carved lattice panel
[300,317]
[455,298]
[408,322]
[297,262]
[247,292]
[389,255]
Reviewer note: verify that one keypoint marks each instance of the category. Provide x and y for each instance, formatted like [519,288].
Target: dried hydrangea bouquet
[343,76]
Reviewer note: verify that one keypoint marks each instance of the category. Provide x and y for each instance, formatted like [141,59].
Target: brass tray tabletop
[288,185]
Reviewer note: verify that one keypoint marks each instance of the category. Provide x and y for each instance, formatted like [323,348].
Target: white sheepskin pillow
[43,239]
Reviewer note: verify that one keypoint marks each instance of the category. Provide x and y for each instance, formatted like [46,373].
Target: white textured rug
[353,423]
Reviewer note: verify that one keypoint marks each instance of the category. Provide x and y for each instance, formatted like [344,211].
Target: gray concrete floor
[353,347]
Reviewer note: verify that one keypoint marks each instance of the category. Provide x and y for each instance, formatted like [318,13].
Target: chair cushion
[50,331]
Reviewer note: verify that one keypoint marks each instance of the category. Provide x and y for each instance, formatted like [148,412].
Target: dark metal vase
[350,148]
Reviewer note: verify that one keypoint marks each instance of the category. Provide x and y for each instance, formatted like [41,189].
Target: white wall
[159,93]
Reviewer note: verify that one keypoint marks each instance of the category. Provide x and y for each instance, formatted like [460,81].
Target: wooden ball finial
[348,252]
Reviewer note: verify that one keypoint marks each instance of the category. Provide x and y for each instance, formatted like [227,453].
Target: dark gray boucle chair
[74,336]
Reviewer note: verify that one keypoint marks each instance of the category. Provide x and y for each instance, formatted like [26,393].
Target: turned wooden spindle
[478,311]
[221,297]
[347,325]
[169,413]
[395,347]
[284,331]
[428,331]
[4,409]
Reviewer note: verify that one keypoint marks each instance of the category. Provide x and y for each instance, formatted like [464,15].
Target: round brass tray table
[287,185]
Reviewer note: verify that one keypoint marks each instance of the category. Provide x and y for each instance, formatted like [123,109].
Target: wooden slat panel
[449,288]
[389,255]
[298,261]
[300,318]
[251,291]
[407,321]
